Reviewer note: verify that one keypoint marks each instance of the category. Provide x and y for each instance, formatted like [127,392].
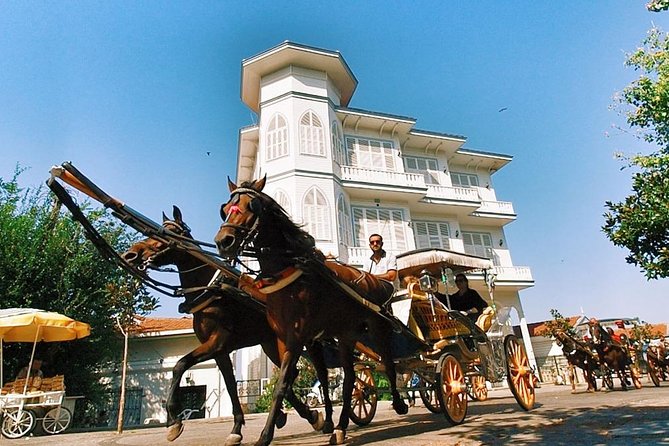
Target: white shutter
[316,214]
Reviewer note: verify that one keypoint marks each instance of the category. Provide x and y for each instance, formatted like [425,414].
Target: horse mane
[295,239]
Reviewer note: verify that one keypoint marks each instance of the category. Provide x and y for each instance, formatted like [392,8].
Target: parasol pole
[2,363]
[121,400]
[32,358]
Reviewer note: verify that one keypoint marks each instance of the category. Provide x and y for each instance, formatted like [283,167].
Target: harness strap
[268,285]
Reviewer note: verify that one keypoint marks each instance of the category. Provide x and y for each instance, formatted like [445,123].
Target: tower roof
[290,53]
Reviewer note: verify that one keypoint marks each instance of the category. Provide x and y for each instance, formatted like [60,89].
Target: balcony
[381,182]
[497,211]
[452,193]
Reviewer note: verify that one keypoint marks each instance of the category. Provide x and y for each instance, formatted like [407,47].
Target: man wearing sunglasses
[381,263]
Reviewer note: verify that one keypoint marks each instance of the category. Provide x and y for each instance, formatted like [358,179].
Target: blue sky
[136,93]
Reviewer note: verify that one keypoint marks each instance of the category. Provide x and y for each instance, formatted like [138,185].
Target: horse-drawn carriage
[329,301]
[458,357]
[600,356]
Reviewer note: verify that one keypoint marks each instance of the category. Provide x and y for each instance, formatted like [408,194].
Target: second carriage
[457,357]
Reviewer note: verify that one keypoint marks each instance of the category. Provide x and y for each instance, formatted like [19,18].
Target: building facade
[345,173]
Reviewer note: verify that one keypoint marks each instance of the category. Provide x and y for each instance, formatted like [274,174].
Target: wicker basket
[438,326]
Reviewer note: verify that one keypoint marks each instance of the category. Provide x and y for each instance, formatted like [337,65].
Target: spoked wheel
[56,420]
[607,379]
[519,373]
[652,372]
[453,391]
[430,396]
[16,425]
[477,388]
[636,376]
[364,398]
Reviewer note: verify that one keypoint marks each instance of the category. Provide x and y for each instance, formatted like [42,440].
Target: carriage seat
[484,321]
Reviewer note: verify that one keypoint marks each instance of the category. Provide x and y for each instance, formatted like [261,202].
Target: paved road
[635,417]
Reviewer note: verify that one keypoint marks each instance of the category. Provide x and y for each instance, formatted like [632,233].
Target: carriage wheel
[15,425]
[519,373]
[636,376]
[453,391]
[430,396]
[478,390]
[56,420]
[364,398]
[653,373]
[607,379]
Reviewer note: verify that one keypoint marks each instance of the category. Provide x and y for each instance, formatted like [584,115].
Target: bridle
[249,233]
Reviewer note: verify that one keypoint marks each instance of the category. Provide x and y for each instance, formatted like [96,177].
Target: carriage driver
[381,264]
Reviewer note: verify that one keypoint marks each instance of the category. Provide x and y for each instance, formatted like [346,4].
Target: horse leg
[271,350]
[346,359]
[571,372]
[314,417]
[225,366]
[383,338]
[315,351]
[288,363]
[174,423]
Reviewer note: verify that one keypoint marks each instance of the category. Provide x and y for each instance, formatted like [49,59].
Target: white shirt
[387,262]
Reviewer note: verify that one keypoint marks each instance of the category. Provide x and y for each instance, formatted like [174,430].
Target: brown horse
[614,355]
[580,356]
[305,302]
[224,325]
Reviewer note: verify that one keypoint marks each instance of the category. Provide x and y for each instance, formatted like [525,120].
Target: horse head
[241,216]
[154,252]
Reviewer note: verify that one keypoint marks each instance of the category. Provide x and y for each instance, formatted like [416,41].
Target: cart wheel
[636,376]
[430,397]
[15,425]
[56,420]
[652,372]
[453,391]
[479,391]
[364,398]
[519,373]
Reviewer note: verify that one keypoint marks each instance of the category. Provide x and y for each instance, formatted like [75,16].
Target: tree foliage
[46,263]
[640,223]
[559,323]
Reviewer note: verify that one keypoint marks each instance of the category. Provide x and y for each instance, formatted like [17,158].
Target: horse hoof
[175,430]
[401,408]
[338,436]
[320,421]
[328,427]
[281,420]
[233,440]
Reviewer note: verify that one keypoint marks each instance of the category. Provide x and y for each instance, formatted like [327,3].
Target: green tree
[46,263]
[559,323]
[640,222]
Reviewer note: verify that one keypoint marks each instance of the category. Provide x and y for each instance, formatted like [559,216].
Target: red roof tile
[158,324]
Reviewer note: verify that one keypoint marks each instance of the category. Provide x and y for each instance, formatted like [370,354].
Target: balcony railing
[452,193]
[382,177]
[496,207]
[513,273]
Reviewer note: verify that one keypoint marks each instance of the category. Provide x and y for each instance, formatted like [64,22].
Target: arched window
[316,214]
[282,198]
[311,135]
[344,222]
[338,152]
[277,138]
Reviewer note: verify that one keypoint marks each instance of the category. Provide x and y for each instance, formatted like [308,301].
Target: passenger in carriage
[466,300]
[382,264]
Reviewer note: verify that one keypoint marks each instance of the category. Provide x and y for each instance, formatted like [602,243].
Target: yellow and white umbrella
[31,325]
